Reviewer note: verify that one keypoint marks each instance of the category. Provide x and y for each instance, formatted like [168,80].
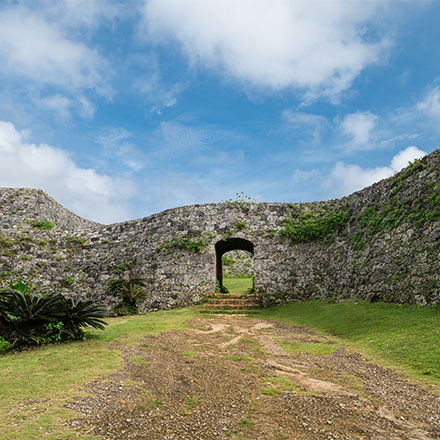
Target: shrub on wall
[310,226]
[42,224]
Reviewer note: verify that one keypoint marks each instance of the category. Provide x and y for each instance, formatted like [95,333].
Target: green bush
[130,292]
[310,226]
[42,224]
[29,318]
[4,345]
[194,246]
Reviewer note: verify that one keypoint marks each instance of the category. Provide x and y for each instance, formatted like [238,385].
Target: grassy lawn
[34,384]
[237,285]
[403,336]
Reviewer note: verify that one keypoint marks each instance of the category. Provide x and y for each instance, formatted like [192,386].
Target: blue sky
[119,109]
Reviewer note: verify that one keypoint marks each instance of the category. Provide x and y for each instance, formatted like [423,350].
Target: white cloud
[84,191]
[301,177]
[178,189]
[319,47]
[36,49]
[149,83]
[430,104]
[86,108]
[349,178]
[309,126]
[177,139]
[78,13]
[407,155]
[61,105]
[116,143]
[358,128]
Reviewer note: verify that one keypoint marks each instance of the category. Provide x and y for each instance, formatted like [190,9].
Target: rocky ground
[230,377]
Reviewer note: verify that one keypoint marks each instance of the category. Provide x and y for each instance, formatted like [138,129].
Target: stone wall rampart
[388,247]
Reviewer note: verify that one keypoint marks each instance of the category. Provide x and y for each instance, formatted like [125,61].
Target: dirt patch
[235,379]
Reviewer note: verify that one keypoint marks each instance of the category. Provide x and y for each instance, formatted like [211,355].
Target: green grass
[269,391]
[148,401]
[137,360]
[189,354]
[403,336]
[192,401]
[282,382]
[315,349]
[244,357]
[48,376]
[237,285]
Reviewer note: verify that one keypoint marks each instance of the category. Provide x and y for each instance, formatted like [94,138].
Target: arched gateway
[226,245]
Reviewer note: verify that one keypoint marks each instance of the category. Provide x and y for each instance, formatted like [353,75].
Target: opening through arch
[227,245]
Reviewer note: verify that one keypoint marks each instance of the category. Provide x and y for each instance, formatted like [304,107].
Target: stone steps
[232,301]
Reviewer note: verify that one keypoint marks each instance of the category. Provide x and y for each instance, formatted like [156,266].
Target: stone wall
[238,264]
[387,248]
[20,206]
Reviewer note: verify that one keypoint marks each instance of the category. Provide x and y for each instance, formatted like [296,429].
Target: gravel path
[230,378]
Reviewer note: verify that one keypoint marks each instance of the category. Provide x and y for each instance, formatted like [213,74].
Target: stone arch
[226,245]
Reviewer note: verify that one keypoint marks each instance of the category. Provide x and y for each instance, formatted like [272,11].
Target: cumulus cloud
[349,178]
[36,49]
[358,128]
[95,196]
[318,47]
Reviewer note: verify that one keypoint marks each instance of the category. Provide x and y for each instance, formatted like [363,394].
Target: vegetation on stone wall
[5,243]
[313,225]
[387,215]
[186,242]
[237,264]
[241,201]
[42,224]
[413,167]
[123,267]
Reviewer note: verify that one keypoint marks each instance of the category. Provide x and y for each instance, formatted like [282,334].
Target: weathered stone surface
[238,264]
[399,263]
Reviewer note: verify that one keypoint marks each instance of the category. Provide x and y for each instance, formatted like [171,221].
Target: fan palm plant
[80,313]
[24,314]
[29,318]
[130,291]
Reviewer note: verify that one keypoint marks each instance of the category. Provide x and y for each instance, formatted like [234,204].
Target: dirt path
[236,378]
